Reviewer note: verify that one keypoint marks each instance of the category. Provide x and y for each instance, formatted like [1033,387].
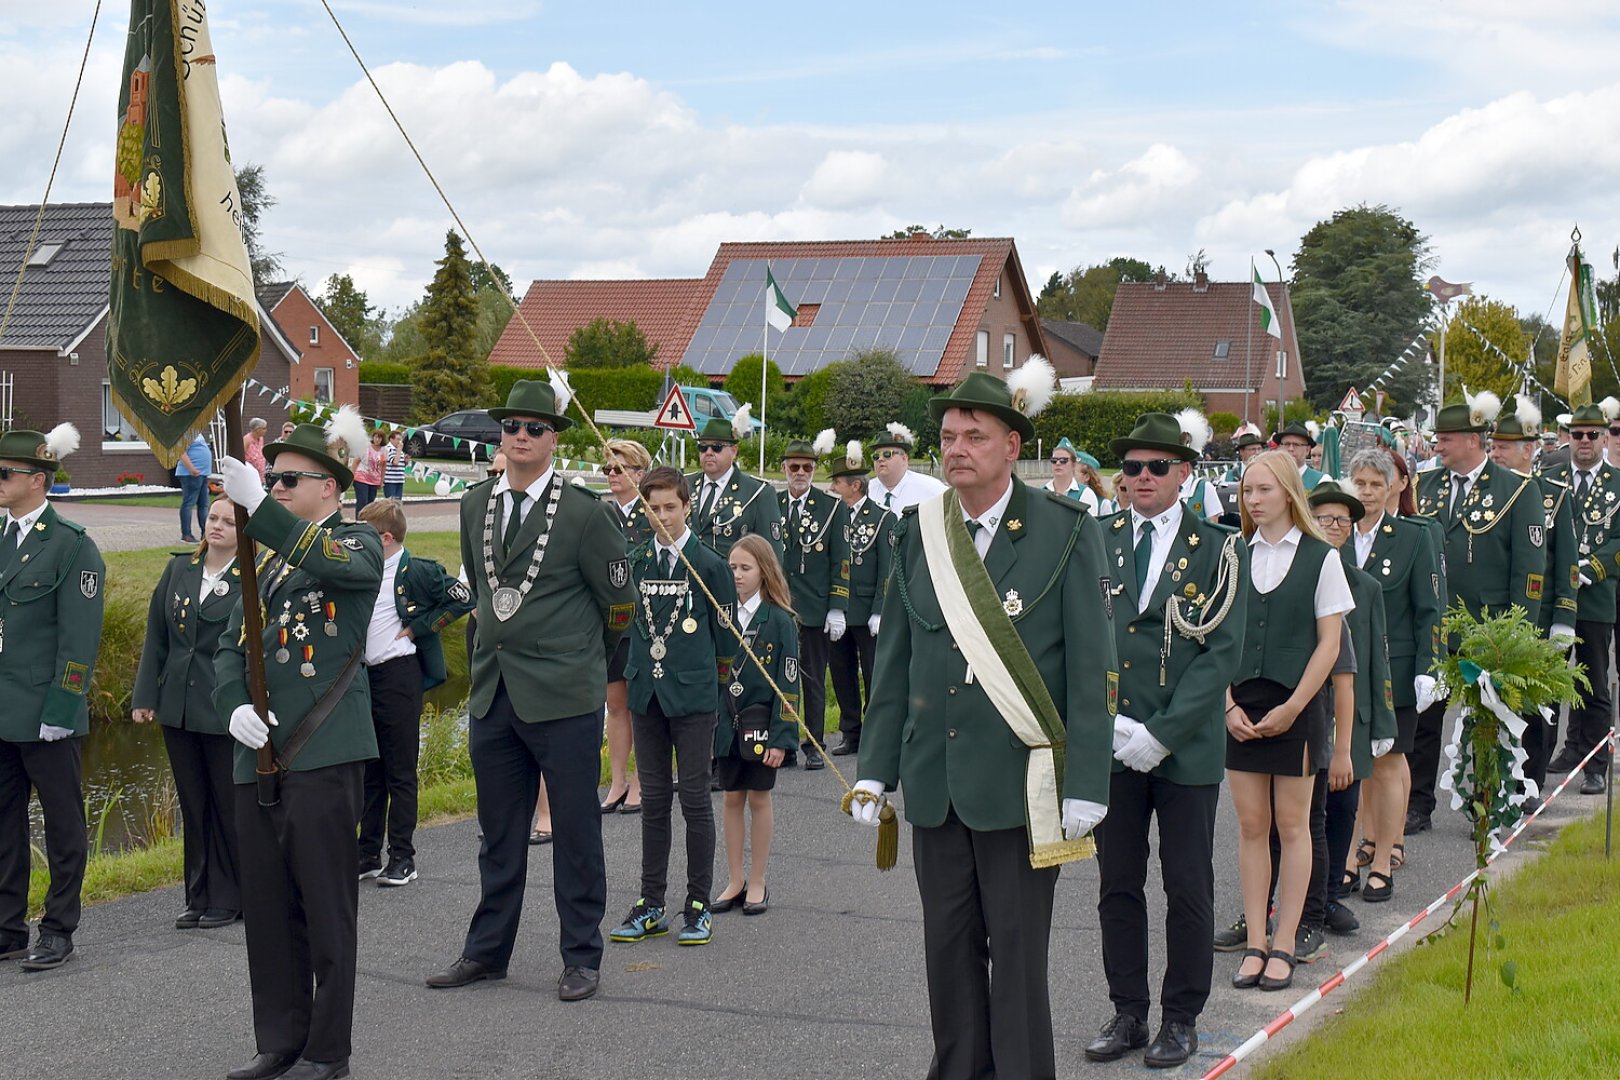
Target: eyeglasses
[806,466]
[617,470]
[711,447]
[1333,521]
[535,428]
[885,455]
[1586,434]
[1614,431]
[1158,466]
[8,471]
[289,478]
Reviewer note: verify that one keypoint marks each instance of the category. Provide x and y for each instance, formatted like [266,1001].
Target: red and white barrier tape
[1304,1004]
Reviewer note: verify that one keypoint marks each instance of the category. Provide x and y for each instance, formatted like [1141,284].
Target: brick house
[1163,335]
[1074,346]
[53,352]
[328,370]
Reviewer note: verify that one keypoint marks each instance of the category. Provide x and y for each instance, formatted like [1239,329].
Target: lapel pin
[1193,540]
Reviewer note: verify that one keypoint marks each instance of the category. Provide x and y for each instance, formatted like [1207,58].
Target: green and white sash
[999,661]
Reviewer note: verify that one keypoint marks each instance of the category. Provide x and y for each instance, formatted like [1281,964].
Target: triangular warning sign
[1352,402]
[674,413]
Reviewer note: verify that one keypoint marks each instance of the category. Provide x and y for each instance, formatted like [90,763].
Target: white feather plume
[1032,385]
[1529,414]
[852,453]
[62,440]
[826,439]
[1315,429]
[742,424]
[1483,407]
[1611,409]
[1564,419]
[902,433]
[559,386]
[1194,427]
[349,427]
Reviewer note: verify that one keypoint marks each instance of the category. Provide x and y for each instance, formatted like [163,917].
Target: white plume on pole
[62,440]
[826,439]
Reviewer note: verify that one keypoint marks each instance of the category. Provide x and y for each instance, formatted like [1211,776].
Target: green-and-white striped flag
[1268,314]
[778,312]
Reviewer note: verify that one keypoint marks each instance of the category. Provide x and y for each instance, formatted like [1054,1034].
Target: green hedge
[1091,420]
[379,371]
[598,388]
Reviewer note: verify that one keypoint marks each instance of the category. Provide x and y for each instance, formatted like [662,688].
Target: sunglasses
[1614,431]
[289,478]
[1158,466]
[885,455]
[711,447]
[8,471]
[535,428]
[1586,434]
[617,470]
[799,467]
[1329,521]
[1063,461]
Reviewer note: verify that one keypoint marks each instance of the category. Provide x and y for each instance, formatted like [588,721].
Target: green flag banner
[1573,379]
[183,329]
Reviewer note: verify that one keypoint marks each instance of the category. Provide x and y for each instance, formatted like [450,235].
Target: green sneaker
[699,928]
[642,923]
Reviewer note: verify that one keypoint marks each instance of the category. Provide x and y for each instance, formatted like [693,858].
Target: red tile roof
[555,309]
[1161,337]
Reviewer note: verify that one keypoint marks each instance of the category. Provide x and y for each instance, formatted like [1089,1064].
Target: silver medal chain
[658,650]
[539,547]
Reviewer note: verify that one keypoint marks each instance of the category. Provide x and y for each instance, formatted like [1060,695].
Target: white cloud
[846,178]
[459,13]
[1137,190]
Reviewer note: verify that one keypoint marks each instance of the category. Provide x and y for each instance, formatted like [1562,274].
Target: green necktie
[514,522]
[1143,554]
[8,546]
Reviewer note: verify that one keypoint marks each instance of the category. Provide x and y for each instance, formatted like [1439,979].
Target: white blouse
[1269,563]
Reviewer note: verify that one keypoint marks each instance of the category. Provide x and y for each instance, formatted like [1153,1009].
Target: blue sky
[629,139]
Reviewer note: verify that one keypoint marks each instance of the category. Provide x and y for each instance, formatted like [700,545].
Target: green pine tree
[452,374]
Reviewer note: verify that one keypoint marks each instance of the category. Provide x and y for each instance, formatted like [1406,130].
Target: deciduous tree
[608,343]
[1485,345]
[256,199]
[1086,293]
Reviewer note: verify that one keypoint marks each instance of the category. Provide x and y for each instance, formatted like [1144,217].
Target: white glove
[1561,634]
[867,812]
[836,624]
[52,733]
[872,624]
[1380,747]
[1080,817]
[1424,687]
[1143,753]
[242,483]
[1124,728]
[248,729]
[1585,580]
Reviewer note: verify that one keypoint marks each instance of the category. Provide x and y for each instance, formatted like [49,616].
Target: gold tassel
[888,849]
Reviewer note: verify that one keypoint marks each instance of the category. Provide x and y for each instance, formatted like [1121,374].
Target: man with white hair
[896,486]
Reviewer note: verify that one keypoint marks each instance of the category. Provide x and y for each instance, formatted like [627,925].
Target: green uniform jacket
[314,575]
[1375,699]
[552,653]
[1403,562]
[1597,541]
[932,732]
[774,637]
[1495,546]
[817,555]
[50,629]
[427,600]
[638,529]
[1186,708]
[697,664]
[1563,558]
[869,534]
[176,676]
[1310,477]
[745,505]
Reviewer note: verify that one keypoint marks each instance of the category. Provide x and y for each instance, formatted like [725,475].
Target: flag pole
[765,363]
[1248,351]
[264,765]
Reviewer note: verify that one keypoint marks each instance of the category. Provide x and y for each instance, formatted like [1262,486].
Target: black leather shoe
[1121,1034]
[462,972]
[1172,1046]
[578,983]
[214,918]
[726,903]
[50,951]
[1563,761]
[1416,823]
[764,905]
[264,1067]
[845,748]
[813,761]
[187,919]
[318,1070]
[13,948]
[1592,784]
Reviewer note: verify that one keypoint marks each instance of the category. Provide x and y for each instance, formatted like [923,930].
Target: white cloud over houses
[847,178]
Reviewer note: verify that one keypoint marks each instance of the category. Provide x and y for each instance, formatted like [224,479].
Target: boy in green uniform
[317,581]
[726,502]
[868,546]
[50,625]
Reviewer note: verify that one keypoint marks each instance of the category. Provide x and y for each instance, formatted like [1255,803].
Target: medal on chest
[505,600]
[659,646]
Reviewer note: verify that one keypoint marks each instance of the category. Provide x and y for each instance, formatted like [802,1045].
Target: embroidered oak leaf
[169,391]
[151,195]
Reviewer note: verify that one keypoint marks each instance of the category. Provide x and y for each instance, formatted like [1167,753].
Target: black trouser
[299,903]
[814,649]
[1314,911]
[390,789]
[851,672]
[509,757]
[985,909]
[52,770]
[1340,823]
[691,740]
[1539,735]
[1424,759]
[202,765]
[1186,816]
[1589,723]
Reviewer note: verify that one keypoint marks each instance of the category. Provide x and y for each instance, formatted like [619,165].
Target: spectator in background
[396,461]
[368,472]
[192,471]
[253,444]
[287,429]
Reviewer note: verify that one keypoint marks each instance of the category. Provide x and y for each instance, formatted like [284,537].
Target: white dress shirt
[1164,528]
[911,489]
[383,642]
[661,550]
[534,491]
[720,484]
[209,579]
[746,610]
[25,522]
[990,521]
[1269,563]
[1364,540]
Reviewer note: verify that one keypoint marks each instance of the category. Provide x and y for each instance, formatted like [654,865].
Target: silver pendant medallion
[506,602]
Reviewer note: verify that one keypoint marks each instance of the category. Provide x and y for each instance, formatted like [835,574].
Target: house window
[1223,349]
[323,385]
[984,348]
[314,335]
[997,293]
[114,428]
[44,253]
[1009,343]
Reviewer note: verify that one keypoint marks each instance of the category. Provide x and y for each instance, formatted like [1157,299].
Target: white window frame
[331,385]
[315,335]
[1009,351]
[982,339]
[997,293]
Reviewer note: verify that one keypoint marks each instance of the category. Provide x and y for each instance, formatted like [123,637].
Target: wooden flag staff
[265,770]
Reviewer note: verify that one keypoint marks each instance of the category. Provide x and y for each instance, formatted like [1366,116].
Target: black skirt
[1296,752]
[735,774]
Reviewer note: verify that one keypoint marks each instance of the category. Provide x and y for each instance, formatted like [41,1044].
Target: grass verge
[1560,918]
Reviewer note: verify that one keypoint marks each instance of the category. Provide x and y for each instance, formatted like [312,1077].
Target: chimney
[1160,281]
[1200,281]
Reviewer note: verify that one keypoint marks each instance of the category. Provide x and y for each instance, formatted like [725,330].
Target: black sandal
[1397,857]
[1267,982]
[1377,894]
[1365,853]
[1350,882]
[1241,981]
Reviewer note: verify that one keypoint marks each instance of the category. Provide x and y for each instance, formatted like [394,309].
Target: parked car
[706,404]
[436,439]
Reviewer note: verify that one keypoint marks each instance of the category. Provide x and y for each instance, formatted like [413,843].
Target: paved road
[828,983]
